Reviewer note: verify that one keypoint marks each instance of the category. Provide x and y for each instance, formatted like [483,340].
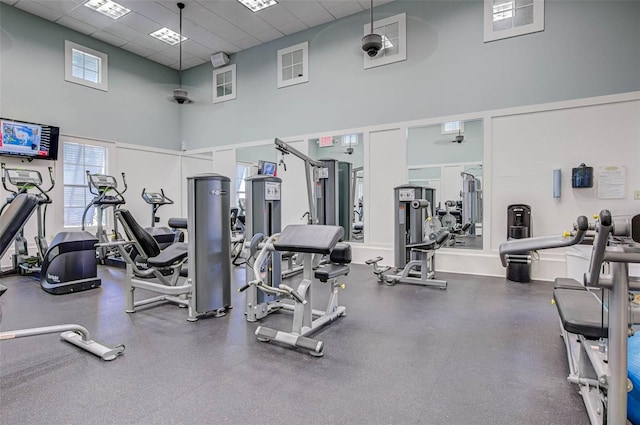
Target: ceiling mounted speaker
[219,59]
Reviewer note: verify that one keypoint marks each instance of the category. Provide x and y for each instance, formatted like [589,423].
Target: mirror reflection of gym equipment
[417,236]
[348,150]
[448,158]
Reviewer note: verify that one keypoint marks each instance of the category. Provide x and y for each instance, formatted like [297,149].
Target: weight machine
[417,236]
[595,335]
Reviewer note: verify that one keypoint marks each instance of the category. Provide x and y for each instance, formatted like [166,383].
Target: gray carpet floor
[485,351]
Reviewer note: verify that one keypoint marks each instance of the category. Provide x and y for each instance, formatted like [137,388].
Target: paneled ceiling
[211,26]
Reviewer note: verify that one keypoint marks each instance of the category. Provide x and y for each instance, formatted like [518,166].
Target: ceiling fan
[459,139]
[180,95]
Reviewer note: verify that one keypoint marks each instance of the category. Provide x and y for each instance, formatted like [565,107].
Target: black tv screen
[27,139]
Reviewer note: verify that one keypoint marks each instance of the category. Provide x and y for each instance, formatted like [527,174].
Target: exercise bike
[25,180]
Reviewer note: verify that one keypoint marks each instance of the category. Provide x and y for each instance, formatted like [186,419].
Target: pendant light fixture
[180,95]
[372,43]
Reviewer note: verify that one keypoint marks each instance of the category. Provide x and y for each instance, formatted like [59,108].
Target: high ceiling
[211,26]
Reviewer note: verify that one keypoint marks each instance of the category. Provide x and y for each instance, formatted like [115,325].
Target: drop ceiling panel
[230,33]
[247,43]
[197,49]
[252,25]
[137,49]
[269,35]
[213,25]
[123,31]
[292,27]
[302,8]
[345,9]
[276,15]
[74,24]
[90,17]
[64,6]
[229,9]
[202,16]
[317,18]
[109,38]
[191,29]
[160,14]
[39,10]
[139,23]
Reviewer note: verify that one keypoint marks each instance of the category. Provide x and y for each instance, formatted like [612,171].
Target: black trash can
[519,227]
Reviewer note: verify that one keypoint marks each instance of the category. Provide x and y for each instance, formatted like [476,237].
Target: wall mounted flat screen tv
[27,139]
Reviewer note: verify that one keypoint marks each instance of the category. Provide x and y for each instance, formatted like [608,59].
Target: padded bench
[340,256]
[581,312]
[568,283]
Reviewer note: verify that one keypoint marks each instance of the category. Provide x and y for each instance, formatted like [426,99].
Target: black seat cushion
[171,255]
[311,238]
[177,223]
[14,218]
[331,271]
[341,253]
[136,232]
[568,283]
[581,313]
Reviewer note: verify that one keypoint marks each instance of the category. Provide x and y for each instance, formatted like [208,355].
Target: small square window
[293,65]
[85,66]
[224,84]
[394,41]
[511,18]
[452,127]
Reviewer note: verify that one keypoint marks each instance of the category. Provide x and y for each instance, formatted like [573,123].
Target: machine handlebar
[518,246]
[155,198]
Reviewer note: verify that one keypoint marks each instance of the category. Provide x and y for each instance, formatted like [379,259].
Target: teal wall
[135,110]
[588,48]
[427,145]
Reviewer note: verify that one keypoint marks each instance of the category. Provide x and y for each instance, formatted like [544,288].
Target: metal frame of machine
[596,350]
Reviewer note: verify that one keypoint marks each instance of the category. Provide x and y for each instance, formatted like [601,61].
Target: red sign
[326,141]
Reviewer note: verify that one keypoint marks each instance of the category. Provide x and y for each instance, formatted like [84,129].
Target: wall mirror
[247,161]
[348,149]
[448,158]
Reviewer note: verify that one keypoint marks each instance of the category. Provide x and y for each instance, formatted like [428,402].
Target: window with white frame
[243,170]
[79,158]
[224,84]
[293,65]
[510,18]
[452,127]
[85,66]
[350,140]
[394,41]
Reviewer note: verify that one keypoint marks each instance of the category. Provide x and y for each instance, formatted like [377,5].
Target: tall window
[85,66]
[78,159]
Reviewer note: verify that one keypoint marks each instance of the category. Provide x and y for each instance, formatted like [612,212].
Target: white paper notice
[611,182]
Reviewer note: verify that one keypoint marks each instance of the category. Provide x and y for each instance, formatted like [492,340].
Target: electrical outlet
[636,195]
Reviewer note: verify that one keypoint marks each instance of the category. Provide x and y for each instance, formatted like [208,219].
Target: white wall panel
[527,147]
[192,165]
[153,171]
[387,168]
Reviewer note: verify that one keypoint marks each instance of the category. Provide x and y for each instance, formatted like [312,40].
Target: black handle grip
[244,287]
[605,218]
[583,223]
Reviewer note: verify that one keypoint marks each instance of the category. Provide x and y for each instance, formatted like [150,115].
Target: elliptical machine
[163,235]
[25,180]
[106,195]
